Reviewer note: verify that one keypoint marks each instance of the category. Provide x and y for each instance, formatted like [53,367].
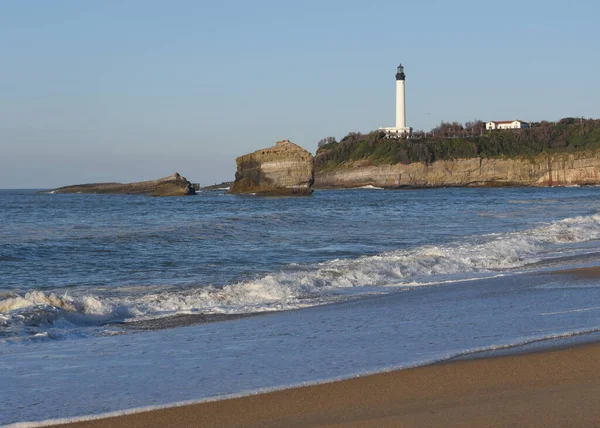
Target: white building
[506,124]
[400,130]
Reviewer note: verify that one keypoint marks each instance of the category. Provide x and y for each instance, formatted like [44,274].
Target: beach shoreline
[553,387]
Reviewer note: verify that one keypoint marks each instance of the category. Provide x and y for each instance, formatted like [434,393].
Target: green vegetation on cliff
[455,141]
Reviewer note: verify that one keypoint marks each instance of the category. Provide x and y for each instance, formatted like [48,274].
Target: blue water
[54,242]
[104,240]
[354,281]
[123,248]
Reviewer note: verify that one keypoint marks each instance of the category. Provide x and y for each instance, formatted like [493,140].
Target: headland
[565,153]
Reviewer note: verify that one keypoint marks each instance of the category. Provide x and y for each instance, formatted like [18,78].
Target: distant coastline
[563,153]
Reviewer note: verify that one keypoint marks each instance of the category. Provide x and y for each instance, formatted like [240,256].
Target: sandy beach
[553,388]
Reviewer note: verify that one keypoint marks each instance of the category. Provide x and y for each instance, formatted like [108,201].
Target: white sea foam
[571,311]
[301,286]
[369,186]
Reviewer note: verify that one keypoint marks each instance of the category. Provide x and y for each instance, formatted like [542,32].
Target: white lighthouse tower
[400,130]
[400,99]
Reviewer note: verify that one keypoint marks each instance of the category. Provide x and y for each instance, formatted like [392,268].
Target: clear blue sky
[133,90]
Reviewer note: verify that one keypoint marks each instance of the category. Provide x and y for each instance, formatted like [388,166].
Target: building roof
[506,121]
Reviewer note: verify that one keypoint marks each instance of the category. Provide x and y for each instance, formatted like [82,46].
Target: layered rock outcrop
[285,169]
[173,185]
[566,169]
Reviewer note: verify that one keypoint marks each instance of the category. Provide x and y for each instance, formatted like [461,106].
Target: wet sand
[583,273]
[184,320]
[553,388]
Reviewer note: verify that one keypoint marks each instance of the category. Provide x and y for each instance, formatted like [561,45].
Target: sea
[117,303]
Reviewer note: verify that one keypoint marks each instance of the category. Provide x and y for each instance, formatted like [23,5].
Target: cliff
[173,185]
[565,169]
[282,170]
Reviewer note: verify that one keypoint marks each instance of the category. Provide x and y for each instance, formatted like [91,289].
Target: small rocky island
[173,185]
[285,169]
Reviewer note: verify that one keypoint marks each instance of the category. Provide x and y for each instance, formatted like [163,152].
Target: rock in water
[173,185]
[285,169]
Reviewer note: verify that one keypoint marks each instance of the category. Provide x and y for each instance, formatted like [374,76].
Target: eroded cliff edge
[564,169]
[285,169]
[173,185]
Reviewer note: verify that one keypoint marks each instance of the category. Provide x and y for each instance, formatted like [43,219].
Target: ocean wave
[301,286]
[369,186]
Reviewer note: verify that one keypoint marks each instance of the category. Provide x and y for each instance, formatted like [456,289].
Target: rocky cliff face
[580,168]
[173,185]
[284,169]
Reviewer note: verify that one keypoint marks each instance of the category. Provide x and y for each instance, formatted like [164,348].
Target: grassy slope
[374,149]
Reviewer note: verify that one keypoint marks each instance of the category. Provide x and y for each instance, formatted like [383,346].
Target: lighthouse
[400,99]
[400,130]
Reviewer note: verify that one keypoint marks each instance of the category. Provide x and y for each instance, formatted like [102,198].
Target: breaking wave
[369,187]
[38,312]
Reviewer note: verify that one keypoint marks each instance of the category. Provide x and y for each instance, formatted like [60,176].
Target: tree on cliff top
[325,141]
